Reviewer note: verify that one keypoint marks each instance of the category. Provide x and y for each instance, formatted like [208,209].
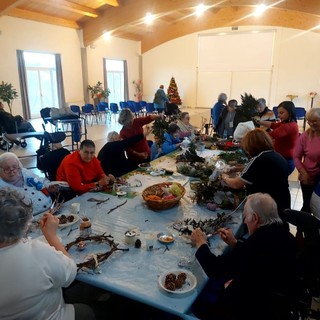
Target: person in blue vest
[217,108]
[160,100]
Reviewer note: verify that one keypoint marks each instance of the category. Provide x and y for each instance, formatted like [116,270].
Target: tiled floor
[98,133]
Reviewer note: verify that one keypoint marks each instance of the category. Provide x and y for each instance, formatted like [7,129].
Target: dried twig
[93,262]
[118,206]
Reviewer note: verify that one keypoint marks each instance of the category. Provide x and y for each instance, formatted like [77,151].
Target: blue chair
[301,115]
[123,105]
[88,111]
[103,111]
[150,108]
[76,109]
[143,105]
[275,111]
[137,108]
[130,104]
[114,108]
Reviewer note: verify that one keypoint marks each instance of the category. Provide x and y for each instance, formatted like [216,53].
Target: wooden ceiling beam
[113,3]
[30,15]
[72,7]
[7,5]
[132,12]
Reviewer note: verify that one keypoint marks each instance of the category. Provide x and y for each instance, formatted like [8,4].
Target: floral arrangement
[291,96]
[138,88]
[8,93]
[312,94]
[97,91]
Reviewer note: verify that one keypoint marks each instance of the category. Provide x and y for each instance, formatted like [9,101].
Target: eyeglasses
[9,169]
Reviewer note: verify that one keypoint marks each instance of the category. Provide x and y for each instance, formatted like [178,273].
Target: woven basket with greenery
[157,190]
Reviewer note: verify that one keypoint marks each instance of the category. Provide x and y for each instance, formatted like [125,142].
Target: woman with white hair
[34,188]
[33,273]
[112,155]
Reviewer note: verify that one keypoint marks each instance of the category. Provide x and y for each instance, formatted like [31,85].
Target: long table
[134,273]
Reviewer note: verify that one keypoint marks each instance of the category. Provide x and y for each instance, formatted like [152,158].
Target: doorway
[41,77]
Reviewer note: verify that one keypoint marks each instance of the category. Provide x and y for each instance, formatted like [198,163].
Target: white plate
[189,285]
[165,237]
[76,219]
[121,193]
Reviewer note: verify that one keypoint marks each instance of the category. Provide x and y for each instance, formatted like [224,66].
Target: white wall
[296,67]
[114,48]
[40,37]
[296,62]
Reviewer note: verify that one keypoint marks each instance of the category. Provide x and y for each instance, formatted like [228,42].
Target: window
[115,79]
[41,76]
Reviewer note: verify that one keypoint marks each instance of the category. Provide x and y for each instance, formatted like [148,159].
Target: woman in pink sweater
[285,133]
[307,157]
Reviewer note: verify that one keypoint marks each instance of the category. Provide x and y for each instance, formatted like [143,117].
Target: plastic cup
[75,207]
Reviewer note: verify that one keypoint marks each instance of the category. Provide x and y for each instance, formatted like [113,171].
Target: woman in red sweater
[285,133]
[140,151]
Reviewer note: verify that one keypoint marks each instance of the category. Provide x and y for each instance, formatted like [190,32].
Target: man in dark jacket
[112,155]
[243,281]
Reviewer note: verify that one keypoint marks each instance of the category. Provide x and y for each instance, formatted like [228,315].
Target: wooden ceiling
[174,18]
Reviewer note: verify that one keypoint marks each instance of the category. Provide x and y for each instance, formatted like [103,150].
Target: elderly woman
[285,133]
[33,272]
[264,113]
[307,157]
[15,177]
[186,128]
[267,171]
[171,139]
[112,155]
[140,151]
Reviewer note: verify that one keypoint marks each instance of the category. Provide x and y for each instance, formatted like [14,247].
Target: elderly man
[82,170]
[246,277]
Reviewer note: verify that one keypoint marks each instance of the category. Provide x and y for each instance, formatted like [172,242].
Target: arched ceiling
[174,18]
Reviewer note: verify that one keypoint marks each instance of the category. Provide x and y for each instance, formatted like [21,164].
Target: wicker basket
[156,189]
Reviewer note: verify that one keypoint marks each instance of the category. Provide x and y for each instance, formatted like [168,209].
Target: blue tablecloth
[135,273]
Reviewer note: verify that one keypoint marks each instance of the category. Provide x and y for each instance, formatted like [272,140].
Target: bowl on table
[145,166]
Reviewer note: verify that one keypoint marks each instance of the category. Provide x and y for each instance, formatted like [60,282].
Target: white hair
[264,206]
[111,135]
[10,156]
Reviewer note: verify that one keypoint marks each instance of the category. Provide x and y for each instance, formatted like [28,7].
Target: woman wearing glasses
[186,128]
[307,157]
[15,177]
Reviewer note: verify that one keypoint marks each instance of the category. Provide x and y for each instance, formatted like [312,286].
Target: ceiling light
[106,35]
[149,18]
[200,9]
[261,8]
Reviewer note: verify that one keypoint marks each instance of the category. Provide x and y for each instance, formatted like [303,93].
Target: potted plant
[247,110]
[97,92]
[8,93]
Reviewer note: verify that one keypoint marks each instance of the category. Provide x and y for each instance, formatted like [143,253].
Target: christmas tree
[173,94]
